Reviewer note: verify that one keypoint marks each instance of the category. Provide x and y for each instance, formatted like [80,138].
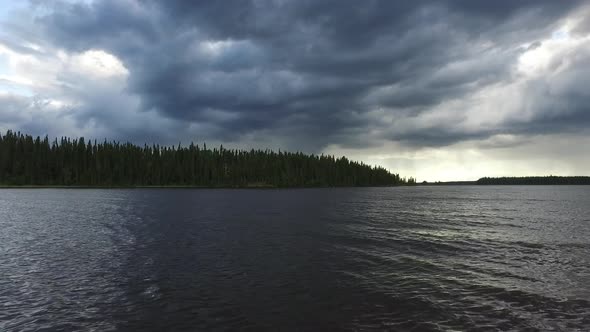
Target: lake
[424,258]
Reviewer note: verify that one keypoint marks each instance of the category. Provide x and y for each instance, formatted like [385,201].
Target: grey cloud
[116,25]
[302,69]
[11,108]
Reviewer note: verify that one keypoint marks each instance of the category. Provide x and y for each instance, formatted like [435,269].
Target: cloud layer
[305,75]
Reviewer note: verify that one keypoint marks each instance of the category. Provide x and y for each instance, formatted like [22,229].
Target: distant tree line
[25,160]
[535,180]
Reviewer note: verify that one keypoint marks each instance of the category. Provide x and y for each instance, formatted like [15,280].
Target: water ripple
[423,259]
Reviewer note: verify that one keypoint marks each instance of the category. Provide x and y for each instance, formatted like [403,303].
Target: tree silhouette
[25,160]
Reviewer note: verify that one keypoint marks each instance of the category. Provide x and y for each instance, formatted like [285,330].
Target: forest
[535,180]
[34,161]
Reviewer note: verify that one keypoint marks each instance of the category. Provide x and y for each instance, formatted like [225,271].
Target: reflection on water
[431,258]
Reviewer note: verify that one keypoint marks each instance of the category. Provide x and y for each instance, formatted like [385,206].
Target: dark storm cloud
[312,70]
[116,25]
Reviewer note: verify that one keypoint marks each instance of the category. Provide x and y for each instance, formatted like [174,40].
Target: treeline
[25,160]
[536,180]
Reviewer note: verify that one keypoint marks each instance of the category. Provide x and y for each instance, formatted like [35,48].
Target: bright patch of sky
[9,7]
[3,64]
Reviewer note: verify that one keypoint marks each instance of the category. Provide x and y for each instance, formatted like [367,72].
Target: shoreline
[185,187]
[453,184]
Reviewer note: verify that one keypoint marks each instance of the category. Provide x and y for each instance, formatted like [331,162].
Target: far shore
[421,184]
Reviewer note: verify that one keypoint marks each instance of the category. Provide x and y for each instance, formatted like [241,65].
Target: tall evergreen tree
[25,160]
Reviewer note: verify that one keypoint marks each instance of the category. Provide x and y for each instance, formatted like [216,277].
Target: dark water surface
[423,258]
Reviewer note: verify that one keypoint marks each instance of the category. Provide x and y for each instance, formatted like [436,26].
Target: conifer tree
[25,160]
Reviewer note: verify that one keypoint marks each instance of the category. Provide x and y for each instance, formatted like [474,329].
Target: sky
[438,90]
